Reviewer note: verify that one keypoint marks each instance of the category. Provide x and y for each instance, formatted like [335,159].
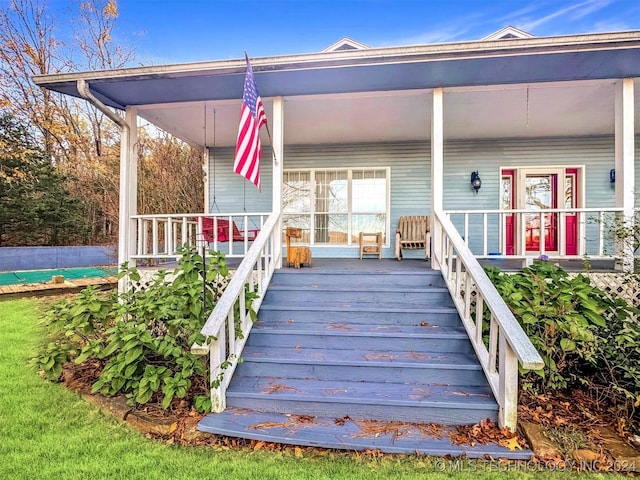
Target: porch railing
[507,343]
[159,236]
[485,231]
[229,331]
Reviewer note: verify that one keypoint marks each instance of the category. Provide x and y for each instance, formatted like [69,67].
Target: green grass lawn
[48,432]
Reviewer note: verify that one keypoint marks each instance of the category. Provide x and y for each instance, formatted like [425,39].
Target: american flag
[252,117]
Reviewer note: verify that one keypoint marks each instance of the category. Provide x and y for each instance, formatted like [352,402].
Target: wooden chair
[296,255]
[413,233]
[223,233]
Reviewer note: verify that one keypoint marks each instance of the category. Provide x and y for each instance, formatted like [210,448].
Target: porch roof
[527,60]
[371,94]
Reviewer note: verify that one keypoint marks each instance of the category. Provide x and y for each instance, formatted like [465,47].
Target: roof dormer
[507,33]
[345,44]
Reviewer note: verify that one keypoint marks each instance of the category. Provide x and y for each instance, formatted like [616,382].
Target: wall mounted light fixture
[612,175]
[476,182]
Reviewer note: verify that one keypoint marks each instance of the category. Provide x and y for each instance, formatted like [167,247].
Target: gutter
[85,92]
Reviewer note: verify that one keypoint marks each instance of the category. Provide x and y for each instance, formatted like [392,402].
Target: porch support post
[624,163]
[437,172]
[278,161]
[128,191]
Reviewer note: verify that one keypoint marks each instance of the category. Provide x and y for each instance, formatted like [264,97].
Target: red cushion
[223,231]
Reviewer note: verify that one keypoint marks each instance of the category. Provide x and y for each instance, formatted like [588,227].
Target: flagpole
[266,125]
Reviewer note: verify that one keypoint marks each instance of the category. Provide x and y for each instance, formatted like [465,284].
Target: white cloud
[574,12]
[590,7]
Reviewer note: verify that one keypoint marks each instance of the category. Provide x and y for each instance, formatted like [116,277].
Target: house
[516,146]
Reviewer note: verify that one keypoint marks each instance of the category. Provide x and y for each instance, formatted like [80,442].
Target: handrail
[225,349]
[508,344]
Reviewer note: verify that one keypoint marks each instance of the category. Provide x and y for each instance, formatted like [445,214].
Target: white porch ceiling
[579,108]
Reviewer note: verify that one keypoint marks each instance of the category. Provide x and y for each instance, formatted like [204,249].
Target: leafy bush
[142,339]
[565,317]
[617,368]
[72,324]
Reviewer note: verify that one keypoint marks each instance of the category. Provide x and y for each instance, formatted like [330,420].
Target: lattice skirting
[622,285]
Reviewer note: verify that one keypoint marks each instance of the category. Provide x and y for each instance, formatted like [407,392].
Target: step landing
[350,434]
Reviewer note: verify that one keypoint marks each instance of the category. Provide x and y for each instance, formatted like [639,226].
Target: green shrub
[73,325]
[565,317]
[617,368]
[142,339]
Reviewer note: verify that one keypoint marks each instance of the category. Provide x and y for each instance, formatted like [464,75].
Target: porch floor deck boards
[398,357]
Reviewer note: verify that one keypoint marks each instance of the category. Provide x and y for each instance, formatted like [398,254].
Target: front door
[536,191]
[540,193]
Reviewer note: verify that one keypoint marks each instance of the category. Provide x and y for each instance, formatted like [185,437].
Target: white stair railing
[508,344]
[229,332]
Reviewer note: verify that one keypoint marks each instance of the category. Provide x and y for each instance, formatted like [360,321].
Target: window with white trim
[332,206]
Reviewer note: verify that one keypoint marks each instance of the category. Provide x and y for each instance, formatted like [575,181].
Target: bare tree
[78,138]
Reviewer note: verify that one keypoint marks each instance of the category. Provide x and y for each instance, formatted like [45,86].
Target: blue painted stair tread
[368,308]
[349,434]
[408,358]
[410,402]
[417,330]
[448,396]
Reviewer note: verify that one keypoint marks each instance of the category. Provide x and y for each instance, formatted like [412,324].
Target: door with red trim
[537,190]
[508,201]
[571,220]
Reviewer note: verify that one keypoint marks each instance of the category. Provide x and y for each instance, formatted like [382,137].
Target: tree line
[59,156]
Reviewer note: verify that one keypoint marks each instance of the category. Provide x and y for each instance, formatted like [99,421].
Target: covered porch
[529,115]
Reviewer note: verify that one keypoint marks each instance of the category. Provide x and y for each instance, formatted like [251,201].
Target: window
[332,206]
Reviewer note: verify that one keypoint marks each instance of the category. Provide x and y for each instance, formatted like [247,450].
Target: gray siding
[233,193]
[596,154]
[411,175]
[488,156]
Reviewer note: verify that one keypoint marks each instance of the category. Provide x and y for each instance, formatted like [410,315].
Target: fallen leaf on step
[511,443]
[279,388]
[416,355]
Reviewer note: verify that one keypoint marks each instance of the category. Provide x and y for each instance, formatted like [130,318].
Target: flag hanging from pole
[252,117]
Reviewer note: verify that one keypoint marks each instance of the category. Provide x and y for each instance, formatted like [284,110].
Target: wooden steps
[384,346]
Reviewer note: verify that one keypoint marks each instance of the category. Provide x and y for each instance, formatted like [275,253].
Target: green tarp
[42,276]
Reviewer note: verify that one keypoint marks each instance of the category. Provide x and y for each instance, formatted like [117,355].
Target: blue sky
[168,31]
[175,31]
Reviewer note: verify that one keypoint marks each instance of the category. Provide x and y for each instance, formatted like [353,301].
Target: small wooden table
[296,255]
[370,244]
